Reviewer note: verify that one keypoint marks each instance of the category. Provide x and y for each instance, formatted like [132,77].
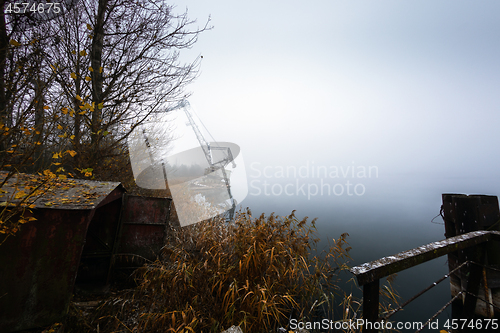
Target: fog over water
[395,214]
[406,90]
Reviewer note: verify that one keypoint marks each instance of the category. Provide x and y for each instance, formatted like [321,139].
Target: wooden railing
[369,274]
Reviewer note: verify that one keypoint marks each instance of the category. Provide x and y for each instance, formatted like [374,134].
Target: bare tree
[85,78]
[118,62]
[25,75]
[78,83]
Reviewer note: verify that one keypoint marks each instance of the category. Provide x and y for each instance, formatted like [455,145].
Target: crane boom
[207,150]
[203,143]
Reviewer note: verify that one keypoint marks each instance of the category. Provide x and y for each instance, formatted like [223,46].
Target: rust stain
[29,237]
[52,231]
[144,228]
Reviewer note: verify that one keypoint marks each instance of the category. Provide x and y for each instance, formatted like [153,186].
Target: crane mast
[207,150]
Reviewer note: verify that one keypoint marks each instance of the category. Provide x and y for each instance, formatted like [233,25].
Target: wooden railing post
[370,305]
[463,214]
[474,280]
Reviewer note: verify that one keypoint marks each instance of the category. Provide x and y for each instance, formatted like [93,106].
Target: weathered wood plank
[380,268]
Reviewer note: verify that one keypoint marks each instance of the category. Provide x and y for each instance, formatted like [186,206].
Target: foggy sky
[409,86]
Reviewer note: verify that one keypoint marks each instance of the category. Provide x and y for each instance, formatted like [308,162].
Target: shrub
[253,273]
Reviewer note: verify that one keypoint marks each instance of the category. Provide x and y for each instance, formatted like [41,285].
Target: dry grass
[253,273]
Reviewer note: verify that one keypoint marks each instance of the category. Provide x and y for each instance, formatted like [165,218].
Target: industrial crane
[214,165]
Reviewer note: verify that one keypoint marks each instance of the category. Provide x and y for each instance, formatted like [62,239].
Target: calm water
[394,214]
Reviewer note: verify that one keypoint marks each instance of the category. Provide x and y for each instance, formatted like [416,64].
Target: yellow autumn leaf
[78,97]
[46,107]
[73,75]
[89,26]
[59,127]
[64,110]
[20,195]
[100,69]
[71,152]
[56,155]
[14,42]
[86,106]
[72,137]
[83,53]
[100,105]
[87,78]
[73,52]
[62,177]
[83,112]
[91,69]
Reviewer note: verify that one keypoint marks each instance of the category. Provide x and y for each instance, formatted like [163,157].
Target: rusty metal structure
[145,227]
[74,239]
